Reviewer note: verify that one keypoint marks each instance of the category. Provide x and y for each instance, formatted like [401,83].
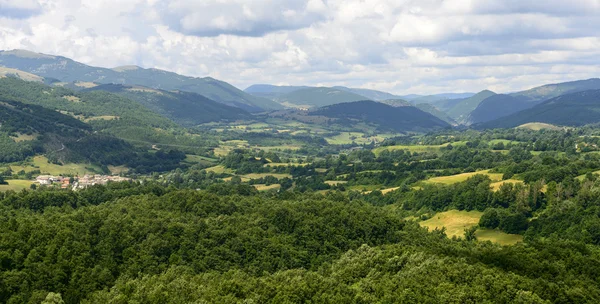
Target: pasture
[16,185]
[496,186]
[41,163]
[497,236]
[453,179]
[262,187]
[454,221]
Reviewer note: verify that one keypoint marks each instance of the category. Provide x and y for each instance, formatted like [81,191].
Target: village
[77,182]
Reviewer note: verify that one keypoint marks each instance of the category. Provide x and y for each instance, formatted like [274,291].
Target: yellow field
[24,137]
[453,179]
[536,126]
[582,177]
[497,236]
[41,163]
[261,175]
[280,148]
[261,187]
[285,164]
[455,221]
[16,185]
[416,148]
[335,183]
[496,186]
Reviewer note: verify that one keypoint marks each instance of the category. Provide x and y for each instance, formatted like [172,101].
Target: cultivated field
[536,126]
[455,221]
[41,163]
[453,179]
[16,185]
[497,236]
[417,148]
[261,187]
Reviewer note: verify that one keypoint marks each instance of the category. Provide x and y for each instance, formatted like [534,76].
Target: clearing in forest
[453,179]
[457,221]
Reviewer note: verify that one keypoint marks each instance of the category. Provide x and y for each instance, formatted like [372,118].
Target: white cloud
[402,46]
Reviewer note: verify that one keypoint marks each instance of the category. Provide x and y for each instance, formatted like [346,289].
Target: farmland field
[261,187]
[417,148]
[16,185]
[454,221]
[452,179]
[41,163]
[497,236]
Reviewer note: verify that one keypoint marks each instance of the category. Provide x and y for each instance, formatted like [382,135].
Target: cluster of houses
[78,182]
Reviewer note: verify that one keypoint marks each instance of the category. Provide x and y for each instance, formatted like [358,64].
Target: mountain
[316,97]
[463,108]
[396,102]
[8,72]
[498,106]
[271,91]
[67,70]
[437,98]
[425,107]
[184,108]
[574,109]
[369,94]
[386,117]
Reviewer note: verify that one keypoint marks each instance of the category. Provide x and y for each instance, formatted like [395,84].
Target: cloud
[238,17]
[19,9]
[401,46]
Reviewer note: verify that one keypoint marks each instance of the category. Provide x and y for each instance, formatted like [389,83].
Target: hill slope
[462,109]
[370,94]
[317,97]
[498,106]
[184,108]
[575,109]
[67,70]
[399,119]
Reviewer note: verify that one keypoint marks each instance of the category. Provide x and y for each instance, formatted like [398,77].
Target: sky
[398,46]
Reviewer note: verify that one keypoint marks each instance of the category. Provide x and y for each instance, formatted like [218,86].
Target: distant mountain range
[574,109]
[63,69]
[190,101]
[502,105]
[399,119]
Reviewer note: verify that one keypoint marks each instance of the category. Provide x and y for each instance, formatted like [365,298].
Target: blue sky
[400,46]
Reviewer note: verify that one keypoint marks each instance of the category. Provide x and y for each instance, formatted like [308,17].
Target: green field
[16,185]
[219,169]
[41,163]
[536,126]
[497,236]
[453,179]
[346,138]
[417,148]
[262,175]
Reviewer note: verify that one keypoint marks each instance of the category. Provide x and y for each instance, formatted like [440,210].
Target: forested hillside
[576,109]
[186,109]
[384,116]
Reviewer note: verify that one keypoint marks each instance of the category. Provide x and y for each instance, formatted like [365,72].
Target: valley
[121,185]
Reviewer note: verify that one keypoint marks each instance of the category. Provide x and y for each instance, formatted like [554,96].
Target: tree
[2,181]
